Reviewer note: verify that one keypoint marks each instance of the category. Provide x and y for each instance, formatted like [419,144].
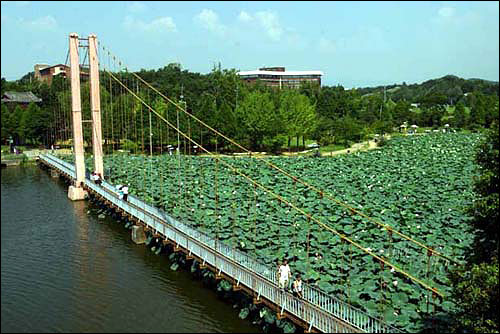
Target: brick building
[46,73]
[279,77]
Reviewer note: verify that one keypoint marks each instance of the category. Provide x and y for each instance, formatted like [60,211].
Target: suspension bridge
[127,117]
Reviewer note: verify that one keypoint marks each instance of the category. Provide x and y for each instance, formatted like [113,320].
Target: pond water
[63,270]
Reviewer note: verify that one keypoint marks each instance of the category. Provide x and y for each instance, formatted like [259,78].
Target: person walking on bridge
[98,178]
[297,286]
[284,273]
[125,192]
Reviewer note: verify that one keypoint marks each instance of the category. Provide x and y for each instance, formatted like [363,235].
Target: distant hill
[449,86]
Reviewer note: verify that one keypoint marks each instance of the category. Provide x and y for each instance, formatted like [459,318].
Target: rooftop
[285,73]
[20,97]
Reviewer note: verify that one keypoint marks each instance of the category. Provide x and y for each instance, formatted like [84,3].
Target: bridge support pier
[76,193]
[138,235]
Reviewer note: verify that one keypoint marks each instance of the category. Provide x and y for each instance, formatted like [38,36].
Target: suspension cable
[365,250]
[327,195]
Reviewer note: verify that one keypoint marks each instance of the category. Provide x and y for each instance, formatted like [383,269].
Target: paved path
[363,146]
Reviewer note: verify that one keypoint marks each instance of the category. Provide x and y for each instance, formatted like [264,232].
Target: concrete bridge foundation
[138,235]
[76,193]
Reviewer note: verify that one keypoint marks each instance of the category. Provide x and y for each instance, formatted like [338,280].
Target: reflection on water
[65,271]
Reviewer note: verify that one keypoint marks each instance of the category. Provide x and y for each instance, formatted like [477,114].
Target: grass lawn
[8,156]
[332,147]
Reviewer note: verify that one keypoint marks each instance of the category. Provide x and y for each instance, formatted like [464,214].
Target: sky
[355,44]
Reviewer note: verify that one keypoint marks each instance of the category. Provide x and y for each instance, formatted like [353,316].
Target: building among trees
[278,77]
[20,98]
[46,73]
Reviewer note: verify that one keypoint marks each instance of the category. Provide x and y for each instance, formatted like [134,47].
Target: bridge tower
[95,105]
[76,191]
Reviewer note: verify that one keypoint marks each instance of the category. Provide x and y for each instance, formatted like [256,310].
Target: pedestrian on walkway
[297,286]
[98,178]
[284,273]
[125,192]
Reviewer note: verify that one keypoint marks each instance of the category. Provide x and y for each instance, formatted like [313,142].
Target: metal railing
[320,310]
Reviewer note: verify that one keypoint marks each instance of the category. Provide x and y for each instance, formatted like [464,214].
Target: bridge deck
[316,311]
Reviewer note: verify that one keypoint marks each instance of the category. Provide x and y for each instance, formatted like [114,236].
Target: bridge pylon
[76,191]
[95,105]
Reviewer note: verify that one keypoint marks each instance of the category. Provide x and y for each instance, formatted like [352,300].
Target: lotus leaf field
[419,185]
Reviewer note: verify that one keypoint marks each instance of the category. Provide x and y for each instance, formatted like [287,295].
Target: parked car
[313,145]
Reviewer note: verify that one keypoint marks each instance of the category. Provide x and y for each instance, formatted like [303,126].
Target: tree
[7,126]
[15,123]
[347,129]
[476,286]
[25,122]
[491,106]
[259,117]
[297,114]
[370,110]
[485,209]
[460,117]
[401,112]
[476,292]
[478,109]
[39,121]
[433,99]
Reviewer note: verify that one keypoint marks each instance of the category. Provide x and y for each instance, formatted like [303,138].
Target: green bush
[130,145]
[382,141]
[476,291]
[275,144]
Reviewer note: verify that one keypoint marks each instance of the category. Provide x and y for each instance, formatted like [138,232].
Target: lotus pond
[419,185]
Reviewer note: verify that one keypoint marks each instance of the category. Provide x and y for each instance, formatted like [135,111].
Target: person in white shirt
[284,273]
[98,179]
[125,192]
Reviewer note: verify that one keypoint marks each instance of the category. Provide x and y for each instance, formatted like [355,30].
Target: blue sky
[355,44]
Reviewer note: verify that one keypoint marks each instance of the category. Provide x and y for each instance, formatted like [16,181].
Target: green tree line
[476,285]
[257,116]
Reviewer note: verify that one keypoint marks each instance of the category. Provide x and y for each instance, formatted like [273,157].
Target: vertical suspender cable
[150,188]
[178,152]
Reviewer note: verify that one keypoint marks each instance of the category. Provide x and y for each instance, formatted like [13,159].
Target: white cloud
[245,17]
[209,20]
[266,20]
[42,23]
[136,7]
[451,18]
[162,24]
[446,11]
[269,21]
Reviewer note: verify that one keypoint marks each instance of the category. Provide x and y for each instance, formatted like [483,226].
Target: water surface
[63,270]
